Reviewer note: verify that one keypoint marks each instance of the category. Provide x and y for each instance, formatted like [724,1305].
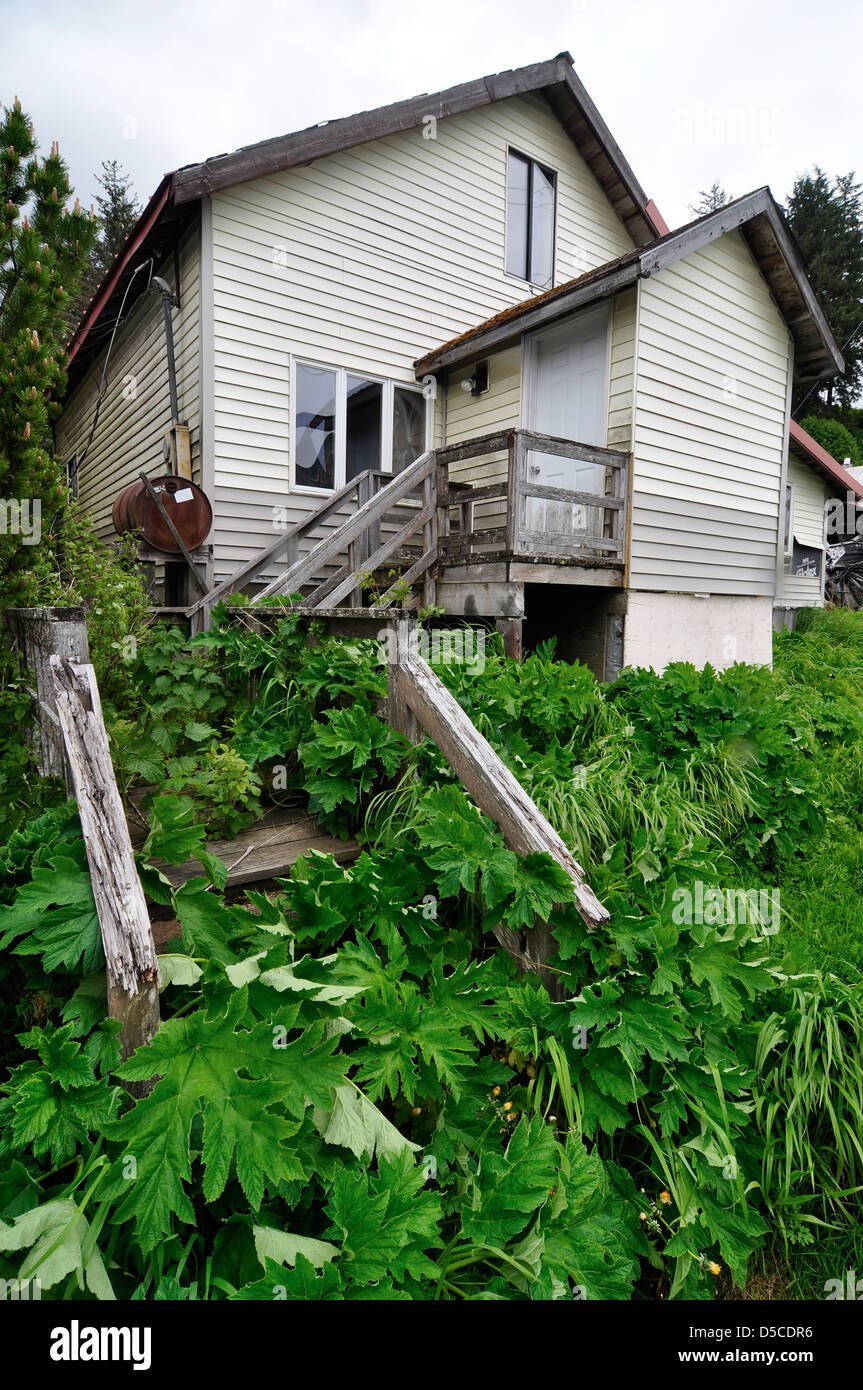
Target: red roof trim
[656,220]
[822,460]
[137,237]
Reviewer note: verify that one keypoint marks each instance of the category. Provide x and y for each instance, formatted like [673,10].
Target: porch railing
[426,516]
[518,515]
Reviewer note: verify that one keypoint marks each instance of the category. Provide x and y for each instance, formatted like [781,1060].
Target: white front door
[567,395]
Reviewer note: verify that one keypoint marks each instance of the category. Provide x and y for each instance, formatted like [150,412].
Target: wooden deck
[266,850]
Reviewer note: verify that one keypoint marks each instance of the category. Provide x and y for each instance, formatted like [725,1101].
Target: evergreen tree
[827,221]
[43,248]
[117,211]
[710,199]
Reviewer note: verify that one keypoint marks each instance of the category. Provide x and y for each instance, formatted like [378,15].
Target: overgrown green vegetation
[360,1096]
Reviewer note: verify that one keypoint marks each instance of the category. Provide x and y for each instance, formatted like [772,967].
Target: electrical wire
[81,458]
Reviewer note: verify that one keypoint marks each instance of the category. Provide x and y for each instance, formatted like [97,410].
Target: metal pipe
[167,301]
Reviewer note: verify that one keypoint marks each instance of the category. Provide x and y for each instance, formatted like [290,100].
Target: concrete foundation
[718,628]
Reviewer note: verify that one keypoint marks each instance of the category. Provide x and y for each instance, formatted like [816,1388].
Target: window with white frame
[531,193]
[346,422]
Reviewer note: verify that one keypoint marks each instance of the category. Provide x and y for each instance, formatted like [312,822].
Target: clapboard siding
[809,495]
[621,381]
[710,425]
[367,259]
[132,424]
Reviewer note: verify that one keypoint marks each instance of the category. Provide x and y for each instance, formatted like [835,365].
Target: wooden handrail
[572,449]
[293,533]
[417,691]
[372,512]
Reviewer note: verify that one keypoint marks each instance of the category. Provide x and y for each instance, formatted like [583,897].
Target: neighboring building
[478,262]
[814,480]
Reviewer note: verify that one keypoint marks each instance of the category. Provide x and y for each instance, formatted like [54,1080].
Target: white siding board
[713,453]
[129,432]
[621,372]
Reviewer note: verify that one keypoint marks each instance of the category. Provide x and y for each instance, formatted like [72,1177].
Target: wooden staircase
[423,518]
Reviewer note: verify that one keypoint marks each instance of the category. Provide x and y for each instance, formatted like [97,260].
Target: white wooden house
[476,279]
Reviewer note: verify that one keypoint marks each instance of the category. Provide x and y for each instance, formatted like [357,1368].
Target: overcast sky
[733,91]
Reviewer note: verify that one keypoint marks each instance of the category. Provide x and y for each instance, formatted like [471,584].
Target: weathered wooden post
[402,642]
[130,953]
[36,633]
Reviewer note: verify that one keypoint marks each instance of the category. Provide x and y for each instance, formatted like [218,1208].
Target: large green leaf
[510,1186]
[61,1245]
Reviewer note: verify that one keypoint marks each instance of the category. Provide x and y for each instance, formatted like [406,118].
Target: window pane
[364,426]
[409,427]
[315,424]
[516,215]
[542,228]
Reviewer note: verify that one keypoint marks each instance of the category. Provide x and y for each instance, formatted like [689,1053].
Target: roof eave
[756,216]
[816,455]
[502,334]
[138,235]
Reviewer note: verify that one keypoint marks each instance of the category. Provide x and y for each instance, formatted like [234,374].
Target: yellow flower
[665,1197]
[507,1105]
[417,1110]
[495,1090]
[714,1267]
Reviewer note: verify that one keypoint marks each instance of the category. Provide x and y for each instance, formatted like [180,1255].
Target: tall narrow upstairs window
[530,216]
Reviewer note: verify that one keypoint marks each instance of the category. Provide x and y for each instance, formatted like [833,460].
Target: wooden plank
[571,449]
[332,545]
[383,553]
[484,775]
[510,630]
[130,953]
[430,535]
[562,494]
[566,574]
[457,496]
[416,570]
[481,573]
[451,544]
[266,850]
[359,549]
[516,472]
[472,448]
[550,541]
[481,599]
[37,633]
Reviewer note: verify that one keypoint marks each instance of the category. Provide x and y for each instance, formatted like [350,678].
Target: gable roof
[817,455]
[756,215]
[555,80]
